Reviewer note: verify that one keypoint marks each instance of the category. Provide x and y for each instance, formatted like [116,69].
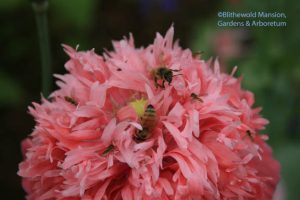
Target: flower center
[139,106]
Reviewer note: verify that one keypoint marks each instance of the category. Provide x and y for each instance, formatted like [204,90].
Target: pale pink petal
[98,94]
[127,193]
[167,186]
[88,111]
[180,140]
[176,113]
[107,134]
[194,117]
[101,191]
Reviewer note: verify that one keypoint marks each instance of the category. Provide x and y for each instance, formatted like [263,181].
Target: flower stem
[40,8]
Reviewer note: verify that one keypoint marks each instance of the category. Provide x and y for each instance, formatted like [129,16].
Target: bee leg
[163,84]
[155,82]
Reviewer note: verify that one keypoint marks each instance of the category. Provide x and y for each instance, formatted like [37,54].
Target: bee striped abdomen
[149,117]
[71,100]
[148,122]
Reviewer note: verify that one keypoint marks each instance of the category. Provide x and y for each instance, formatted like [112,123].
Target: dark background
[267,57]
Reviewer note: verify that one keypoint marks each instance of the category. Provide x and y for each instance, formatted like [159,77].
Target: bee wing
[136,125]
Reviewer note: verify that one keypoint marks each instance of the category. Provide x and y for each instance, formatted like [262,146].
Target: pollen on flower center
[139,106]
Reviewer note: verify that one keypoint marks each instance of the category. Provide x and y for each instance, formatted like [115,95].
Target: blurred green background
[267,57]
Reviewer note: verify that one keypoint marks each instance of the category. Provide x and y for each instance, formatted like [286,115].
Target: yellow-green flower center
[139,106]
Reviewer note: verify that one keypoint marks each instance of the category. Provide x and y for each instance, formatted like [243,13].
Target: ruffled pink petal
[180,140]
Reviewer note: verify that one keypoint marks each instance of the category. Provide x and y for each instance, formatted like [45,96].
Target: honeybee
[196,97]
[164,74]
[148,122]
[108,149]
[71,100]
[197,54]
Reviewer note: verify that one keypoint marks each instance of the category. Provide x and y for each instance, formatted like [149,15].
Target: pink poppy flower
[147,123]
